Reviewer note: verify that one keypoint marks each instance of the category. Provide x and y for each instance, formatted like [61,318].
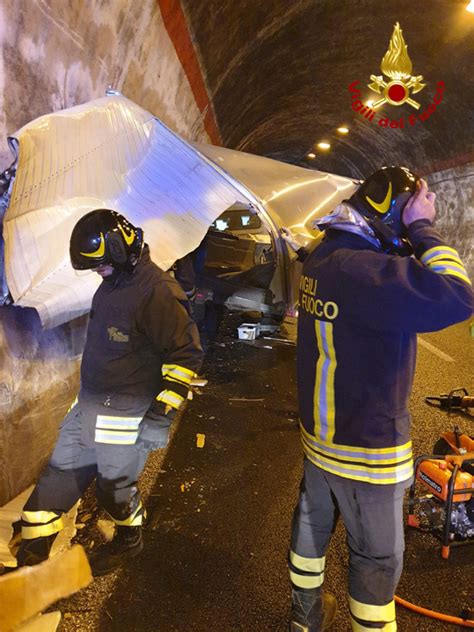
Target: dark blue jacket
[359,313]
[141,341]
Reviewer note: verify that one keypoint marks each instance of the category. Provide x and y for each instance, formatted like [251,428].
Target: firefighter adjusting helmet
[104,237]
[381,199]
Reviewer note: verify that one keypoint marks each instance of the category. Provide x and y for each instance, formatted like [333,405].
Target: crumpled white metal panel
[106,153]
[111,153]
[294,196]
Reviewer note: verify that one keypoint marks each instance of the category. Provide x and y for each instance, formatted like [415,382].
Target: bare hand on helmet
[420,205]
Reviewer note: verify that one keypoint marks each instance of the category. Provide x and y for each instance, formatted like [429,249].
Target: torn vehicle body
[224,206]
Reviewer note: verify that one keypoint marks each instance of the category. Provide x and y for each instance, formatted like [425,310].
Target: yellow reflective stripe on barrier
[39,516]
[308,564]
[42,530]
[306,581]
[135,520]
[369,612]
[171,398]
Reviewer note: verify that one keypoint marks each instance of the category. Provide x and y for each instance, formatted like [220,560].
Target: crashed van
[223,206]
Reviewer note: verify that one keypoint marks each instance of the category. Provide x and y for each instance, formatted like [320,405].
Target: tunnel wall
[454,190]
[54,55]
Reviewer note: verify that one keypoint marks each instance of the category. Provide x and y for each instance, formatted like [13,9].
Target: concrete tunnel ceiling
[277,74]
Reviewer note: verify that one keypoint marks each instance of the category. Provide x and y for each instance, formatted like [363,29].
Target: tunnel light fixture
[343,130]
[470,7]
[311,155]
[324,145]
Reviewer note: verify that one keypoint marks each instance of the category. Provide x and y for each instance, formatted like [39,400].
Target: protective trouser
[97,439]
[373,517]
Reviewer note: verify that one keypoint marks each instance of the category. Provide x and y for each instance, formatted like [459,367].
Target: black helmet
[104,237]
[381,199]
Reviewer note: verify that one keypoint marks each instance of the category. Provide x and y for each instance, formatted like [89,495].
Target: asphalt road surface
[219,516]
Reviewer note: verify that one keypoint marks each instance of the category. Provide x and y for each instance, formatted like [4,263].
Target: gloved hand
[154,427]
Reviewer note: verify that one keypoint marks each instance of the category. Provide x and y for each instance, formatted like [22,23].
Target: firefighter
[362,301]
[141,352]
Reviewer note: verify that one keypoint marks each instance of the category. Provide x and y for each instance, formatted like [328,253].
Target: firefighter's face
[105,270]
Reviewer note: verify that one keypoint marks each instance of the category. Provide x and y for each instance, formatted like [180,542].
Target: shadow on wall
[39,378]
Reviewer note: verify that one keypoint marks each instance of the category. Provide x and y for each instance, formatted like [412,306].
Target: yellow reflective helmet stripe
[381,207]
[100,250]
[128,238]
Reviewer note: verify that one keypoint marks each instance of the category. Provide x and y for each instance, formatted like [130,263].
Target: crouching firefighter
[380,275]
[142,350]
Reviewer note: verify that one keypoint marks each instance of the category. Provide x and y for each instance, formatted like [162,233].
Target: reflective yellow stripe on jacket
[382,466]
[373,465]
[445,260]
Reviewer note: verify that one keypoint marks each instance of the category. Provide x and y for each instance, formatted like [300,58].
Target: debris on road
[106,528]
[200,440]
[199,381]
[33,588]
[186,486]
[282,340]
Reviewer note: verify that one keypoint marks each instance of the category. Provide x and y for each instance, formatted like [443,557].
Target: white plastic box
[248,331]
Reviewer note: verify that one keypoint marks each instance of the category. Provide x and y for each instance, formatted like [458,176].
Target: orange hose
[467,623]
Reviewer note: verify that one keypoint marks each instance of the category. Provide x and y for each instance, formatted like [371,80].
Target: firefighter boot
[312,611]
[35,551]
[127,543]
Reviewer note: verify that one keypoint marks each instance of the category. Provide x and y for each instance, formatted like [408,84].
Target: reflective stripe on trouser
[76,460]
[38,524]
[373,518]
[369,617]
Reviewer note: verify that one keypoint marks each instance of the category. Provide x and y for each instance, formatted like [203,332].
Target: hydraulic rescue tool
[447,510]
